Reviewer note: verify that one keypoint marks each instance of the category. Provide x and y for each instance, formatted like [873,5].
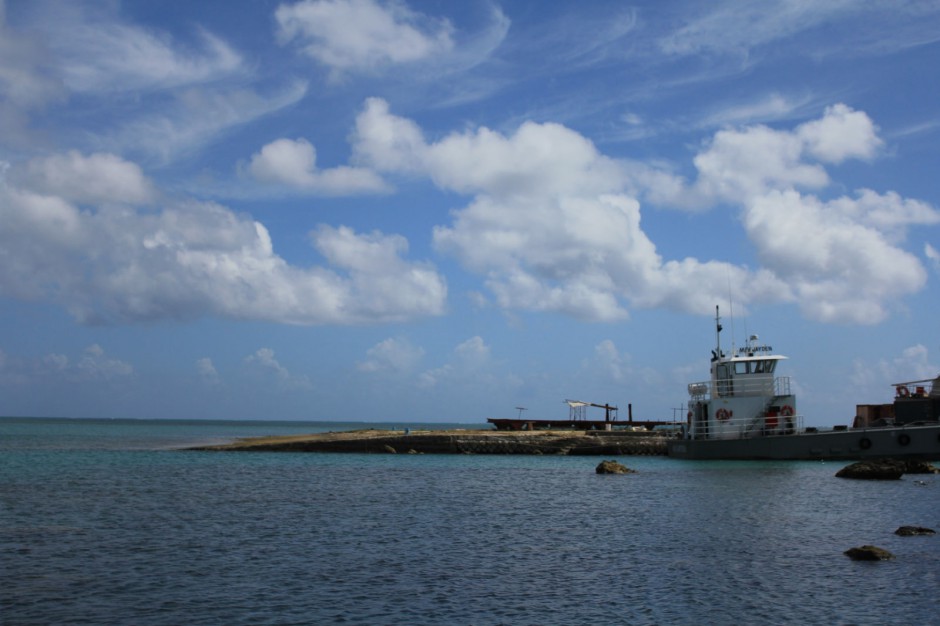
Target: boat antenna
[731,313]
[717,353]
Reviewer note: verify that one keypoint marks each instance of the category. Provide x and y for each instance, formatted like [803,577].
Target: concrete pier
[600,443]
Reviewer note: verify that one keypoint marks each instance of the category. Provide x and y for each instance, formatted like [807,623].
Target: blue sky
[440,211]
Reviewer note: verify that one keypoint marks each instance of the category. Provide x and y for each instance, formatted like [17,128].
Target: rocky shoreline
[583,443]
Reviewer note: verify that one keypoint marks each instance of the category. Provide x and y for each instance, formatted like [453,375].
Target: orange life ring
[723,414]
[786,411]
[903,392]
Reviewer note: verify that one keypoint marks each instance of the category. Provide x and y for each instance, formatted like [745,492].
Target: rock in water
[868,553]
[881,469]
[912,531]
[613,467]
[919,467]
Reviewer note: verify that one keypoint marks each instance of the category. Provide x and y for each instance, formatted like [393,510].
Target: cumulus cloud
[293,163]
[96,178]
[93,365]
[264,364]
[913,363]
[554,225]
[113,263]
[842,133]
[362,34]
[391,355]
[470,364]
[96,365]
[547,225]
[207,372]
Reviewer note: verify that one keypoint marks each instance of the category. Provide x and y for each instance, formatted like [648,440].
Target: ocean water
[110,522]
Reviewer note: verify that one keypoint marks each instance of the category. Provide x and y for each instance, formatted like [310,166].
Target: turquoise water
[108,522]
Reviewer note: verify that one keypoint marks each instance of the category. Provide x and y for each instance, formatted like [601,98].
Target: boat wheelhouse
[744,397]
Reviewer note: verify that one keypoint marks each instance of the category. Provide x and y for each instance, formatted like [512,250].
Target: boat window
[759,367]
[740,367]
[769,366]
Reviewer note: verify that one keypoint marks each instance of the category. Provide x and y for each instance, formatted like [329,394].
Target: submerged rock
[868,553]
[880,469]
[613,467]
[912,531]
[389,449]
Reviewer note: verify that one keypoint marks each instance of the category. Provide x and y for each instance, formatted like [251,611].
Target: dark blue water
[103,522]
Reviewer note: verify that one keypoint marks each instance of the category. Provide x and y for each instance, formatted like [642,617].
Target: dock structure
[578,420]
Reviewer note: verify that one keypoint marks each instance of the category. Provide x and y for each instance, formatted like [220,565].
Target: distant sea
[112,522]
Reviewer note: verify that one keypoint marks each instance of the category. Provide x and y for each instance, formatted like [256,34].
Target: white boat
[745,411]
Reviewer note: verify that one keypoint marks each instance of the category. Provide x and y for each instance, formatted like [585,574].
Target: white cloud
[839,268]
[96,178]
[732,27]
[552,227]
[842,259]
[931,253]
[193,117]
[294,163]
[912,364]
[28,82]
[841,134]
[264,364]
[471,365]
[728,169]
[207,372]
[106,55]
[608,365]
[111,263]
[546,225]
[95,365]
[391,355]
[362,34]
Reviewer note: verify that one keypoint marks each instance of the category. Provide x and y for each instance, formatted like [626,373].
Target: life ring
[864,443]
[904,439]
[723,414]
[903,392]
[786,411]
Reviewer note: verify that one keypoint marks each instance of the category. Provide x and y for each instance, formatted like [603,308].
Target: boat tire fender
[904,439]
[864,443]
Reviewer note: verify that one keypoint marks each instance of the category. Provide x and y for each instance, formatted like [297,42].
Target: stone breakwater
[600,443]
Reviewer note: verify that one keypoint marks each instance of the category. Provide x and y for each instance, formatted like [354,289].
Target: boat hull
[909,442]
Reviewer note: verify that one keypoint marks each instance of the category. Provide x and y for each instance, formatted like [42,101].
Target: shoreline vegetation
[558,442]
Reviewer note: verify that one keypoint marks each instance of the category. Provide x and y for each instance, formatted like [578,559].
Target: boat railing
[750,427]
[742,386]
